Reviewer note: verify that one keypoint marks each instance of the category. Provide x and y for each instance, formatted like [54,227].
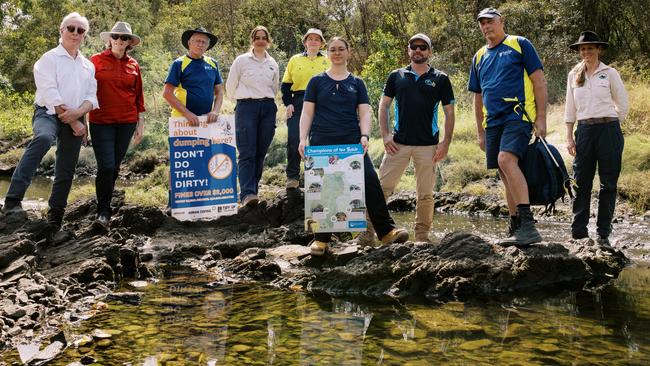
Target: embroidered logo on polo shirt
[429,82]
[602,76]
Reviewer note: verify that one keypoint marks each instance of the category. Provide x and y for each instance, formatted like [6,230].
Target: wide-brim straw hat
[315,31]
[121,28]
[588,37]
[185,38]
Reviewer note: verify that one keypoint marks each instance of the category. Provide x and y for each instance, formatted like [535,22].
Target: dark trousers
[375,202]
[293,138]
[255,125]
[110,143]
[47,129]
[596,145]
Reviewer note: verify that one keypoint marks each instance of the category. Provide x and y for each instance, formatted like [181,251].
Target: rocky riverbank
[48,280]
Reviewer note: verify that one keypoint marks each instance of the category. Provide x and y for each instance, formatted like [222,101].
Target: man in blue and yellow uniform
[507,78]
[194,86]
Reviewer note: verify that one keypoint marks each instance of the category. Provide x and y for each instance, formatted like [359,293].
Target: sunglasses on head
[421,47]
[123,37]
[72,29]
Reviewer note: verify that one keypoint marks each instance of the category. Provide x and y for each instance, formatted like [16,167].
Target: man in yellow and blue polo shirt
[194,86]
[507,78]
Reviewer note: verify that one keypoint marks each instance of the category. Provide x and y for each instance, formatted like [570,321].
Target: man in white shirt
[65,91]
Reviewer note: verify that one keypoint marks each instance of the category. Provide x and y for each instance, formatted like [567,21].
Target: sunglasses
[421,47]
[72,29]
[123,37]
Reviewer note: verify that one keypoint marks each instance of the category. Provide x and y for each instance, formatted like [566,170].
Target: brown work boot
[365,239]
[318,248]
[422,237]
[292,183]
[250,200]
[395,236]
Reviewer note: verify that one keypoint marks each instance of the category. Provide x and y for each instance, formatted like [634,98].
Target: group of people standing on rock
[326,104]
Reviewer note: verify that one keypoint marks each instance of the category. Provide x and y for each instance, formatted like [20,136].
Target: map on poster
[334,189]
[203,168]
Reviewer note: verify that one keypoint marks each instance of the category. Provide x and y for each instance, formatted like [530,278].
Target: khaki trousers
[393,167]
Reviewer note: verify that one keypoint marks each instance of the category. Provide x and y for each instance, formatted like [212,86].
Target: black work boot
[513,225]
[55,219]
[12,206]
[603,241]
[526,233]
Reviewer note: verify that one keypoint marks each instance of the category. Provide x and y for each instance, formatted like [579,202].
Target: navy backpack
[546,174]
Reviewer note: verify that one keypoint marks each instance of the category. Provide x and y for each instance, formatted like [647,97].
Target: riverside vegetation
[377,30]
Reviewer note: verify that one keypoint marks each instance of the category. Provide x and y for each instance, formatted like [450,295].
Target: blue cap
[488,13]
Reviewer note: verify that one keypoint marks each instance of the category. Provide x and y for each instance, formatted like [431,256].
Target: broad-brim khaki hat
[121,28]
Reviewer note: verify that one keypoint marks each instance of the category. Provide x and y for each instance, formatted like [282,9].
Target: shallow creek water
[183,320]
[186,320]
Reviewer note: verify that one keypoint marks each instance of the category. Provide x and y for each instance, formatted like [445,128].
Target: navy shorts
[511,136]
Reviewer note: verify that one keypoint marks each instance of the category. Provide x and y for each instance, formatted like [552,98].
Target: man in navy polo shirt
[418,90]
[507,78]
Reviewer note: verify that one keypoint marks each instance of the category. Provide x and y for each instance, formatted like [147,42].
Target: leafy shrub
[15,115]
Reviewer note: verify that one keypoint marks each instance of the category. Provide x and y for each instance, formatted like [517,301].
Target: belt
[594,121]
[255,99]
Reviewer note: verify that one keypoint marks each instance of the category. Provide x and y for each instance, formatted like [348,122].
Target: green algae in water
[257,325]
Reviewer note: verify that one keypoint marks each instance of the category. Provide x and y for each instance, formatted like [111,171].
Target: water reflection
[187,320]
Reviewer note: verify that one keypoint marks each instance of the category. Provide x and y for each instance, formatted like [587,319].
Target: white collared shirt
[61,79]
[250,77]
[602,95]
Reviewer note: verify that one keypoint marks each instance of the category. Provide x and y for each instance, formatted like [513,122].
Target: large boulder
[461,266]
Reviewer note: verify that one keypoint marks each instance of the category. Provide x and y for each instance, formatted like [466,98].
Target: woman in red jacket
[119,117]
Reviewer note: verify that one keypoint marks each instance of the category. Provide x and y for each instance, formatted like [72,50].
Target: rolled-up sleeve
[139,92]
[619,95]
[569,104]
[91,87]
[46,84]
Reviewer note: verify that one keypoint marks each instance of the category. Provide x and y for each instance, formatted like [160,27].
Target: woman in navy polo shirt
[336,111]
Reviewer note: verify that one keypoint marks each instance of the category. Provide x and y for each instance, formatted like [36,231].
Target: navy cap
[488,13]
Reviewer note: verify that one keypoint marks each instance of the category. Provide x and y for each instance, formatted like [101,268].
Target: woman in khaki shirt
[597,100]
[253,80]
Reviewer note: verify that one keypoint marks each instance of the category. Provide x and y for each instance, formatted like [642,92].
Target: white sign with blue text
[203,168]
[334,189]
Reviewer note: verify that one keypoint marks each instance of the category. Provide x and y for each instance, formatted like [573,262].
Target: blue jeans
[375,201]
[293,138]
[47,130]
[110,143]
[255,125]
[596,145]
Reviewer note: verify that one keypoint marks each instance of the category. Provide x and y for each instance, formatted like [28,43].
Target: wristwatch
[368,137]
